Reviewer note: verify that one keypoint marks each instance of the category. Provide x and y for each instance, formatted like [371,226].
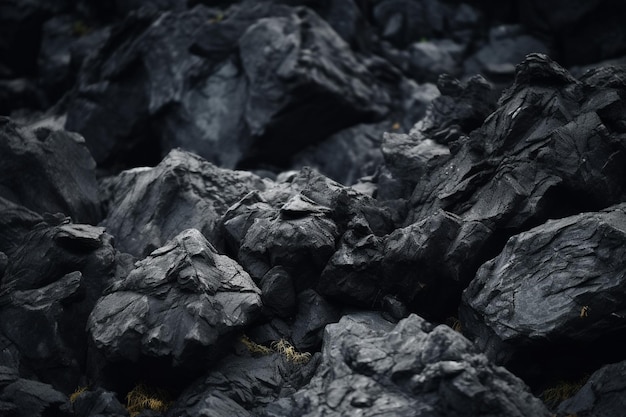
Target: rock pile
[312,208]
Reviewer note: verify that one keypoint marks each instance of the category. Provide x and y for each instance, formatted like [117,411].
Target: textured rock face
[372,367]
[238,86]
[559,284]
[602,394]
[54,295]
[149,206]
[48,171]
[177,308]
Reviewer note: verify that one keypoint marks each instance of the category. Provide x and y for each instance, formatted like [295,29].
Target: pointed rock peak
[539,69]
[300,205]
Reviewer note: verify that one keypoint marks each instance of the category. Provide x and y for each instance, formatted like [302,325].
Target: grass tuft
[286,349]
[142,397]
[75,394]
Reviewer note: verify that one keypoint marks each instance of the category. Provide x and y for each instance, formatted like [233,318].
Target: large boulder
[149,206]
[52,281]
[372,367]
[172,316]
[48,170]
[231,87]
[558,285]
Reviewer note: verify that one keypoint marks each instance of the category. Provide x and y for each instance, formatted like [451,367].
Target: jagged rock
[559,284]
[149,206]
[48,171]
[51,283]
[98,403]
[15,222]
[373,367]
[65,42]
[27,398]
[171,317]
[602,395]
[299,237]
[421,264]
[228,87]
[241,384]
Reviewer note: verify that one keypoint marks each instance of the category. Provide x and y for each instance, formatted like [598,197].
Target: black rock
[242,384]
[54,294]
[15,222]
[27,398]
[172,316]
[556,292]
[314,314]
[149,206]
[373,367]
[278,292]
[48,171]
[98,403]
[602,395]
[229,87]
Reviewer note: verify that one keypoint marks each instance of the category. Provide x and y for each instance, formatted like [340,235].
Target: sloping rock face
[602,395]
[149,206]
[48,171]
[173,314]
[50,286]
[373,367]
[238,87]
[555,146]
[554,293]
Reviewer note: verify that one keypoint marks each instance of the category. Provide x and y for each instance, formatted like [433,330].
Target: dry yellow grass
[142,397]
[281,346]
[75,394]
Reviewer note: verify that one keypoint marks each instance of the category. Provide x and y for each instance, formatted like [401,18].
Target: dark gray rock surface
[48,171]
[372,367]
[174,313]
[559,284]
[149,206]
[54,295]
[604,394]
[28,398]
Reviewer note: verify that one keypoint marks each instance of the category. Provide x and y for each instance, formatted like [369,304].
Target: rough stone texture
[559,284]
[604,394]
[149,206]
[227,88]
[51,283]
[15,222]
[241,384]
[174,313]
[98,403]
[371,367]
[28,398]
[48,171]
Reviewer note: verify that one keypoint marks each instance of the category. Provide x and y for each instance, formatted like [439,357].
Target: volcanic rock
[373,367]
[51,283]
[48,171]
[558,285]
[149,206]
[170,318]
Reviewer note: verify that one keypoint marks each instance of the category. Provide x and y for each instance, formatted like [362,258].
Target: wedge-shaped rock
[177,309]
[149,206]
[371,367]
[48,171]
[555,293]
